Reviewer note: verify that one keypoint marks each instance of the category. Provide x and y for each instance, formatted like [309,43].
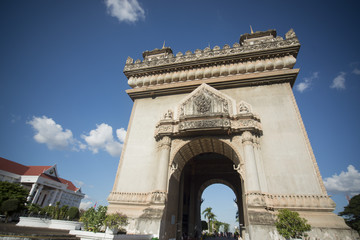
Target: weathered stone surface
[219,116]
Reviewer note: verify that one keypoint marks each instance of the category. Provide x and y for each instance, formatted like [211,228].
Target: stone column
[52,201]
[164,148]
[252,178]
[260,165]
[37,194]
[59,197]
[32,191]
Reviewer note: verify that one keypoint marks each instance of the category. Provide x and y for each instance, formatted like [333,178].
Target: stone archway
[237,200]
[195,165]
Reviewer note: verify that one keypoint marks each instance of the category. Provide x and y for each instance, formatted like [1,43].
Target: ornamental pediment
[208,110]
[205,101]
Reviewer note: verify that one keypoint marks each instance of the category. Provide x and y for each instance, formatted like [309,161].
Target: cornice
[221,82]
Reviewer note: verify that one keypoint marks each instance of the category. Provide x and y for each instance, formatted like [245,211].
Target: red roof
[17,168]
[70,186]
[12,167]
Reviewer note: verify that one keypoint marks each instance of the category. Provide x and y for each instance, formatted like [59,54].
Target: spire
[251,30]
[163,45]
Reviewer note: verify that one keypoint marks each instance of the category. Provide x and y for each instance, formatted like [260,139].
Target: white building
[44,184]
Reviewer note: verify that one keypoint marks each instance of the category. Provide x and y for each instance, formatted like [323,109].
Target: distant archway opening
[220,197]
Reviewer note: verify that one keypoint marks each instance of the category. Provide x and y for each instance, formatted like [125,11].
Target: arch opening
[219,196]
[195,165]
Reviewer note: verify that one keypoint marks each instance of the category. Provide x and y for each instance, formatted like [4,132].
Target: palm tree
[210,216]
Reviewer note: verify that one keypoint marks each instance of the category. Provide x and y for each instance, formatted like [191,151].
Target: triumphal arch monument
[222,115]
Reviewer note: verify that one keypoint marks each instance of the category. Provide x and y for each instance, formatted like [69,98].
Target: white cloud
[339,81]
[306,83]
[86,205]
[102,138]
[51,134]
[356,71]
[79,183]
[125,10]
[347,183]
[121,134]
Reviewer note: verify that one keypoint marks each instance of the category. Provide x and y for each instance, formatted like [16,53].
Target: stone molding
[150,198]
[270,64]
[300,202]
[221,82]
[184,149]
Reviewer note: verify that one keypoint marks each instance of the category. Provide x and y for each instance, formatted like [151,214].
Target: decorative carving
[290,34]
[240,170]
[202,104]
[297,202]
[247,137]
[138,198]
[244,108]
[129,60]
[199,124]
[205,100]
[264,44]
[165,142]
[169,114]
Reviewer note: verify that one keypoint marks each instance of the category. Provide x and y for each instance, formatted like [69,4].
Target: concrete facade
[43,182]
[219,116]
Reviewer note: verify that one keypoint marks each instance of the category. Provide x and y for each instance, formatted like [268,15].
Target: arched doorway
[220,200]
[196,165]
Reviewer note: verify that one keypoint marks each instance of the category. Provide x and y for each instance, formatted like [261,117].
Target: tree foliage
[9,207]
[351,213]
[116,220]
[13,191]
[210,216]
[54,212]
[289,224]
[93,219]
[12,198]
[73,213]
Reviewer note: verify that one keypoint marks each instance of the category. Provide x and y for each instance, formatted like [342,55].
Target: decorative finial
[251,30]
[163,45]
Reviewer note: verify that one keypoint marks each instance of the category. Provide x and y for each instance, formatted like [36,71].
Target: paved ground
[10,229]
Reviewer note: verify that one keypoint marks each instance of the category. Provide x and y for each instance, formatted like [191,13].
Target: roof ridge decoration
[257,52]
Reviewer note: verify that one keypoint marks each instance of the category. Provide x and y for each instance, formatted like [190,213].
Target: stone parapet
[161,67]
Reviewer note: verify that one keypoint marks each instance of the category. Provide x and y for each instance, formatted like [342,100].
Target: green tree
[289,224]
[9,206]
[351,213]
[210,216]
[217,224]
[116,221]
[13,191]
[73,213]
[93,219]
[63,212]
[226,227]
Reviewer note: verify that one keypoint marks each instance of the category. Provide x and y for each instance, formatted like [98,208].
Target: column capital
[165,142]
[247,137]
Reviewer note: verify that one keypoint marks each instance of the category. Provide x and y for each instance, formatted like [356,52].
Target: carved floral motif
[203,104]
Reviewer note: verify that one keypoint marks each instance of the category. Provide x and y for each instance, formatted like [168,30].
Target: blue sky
[62,90]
